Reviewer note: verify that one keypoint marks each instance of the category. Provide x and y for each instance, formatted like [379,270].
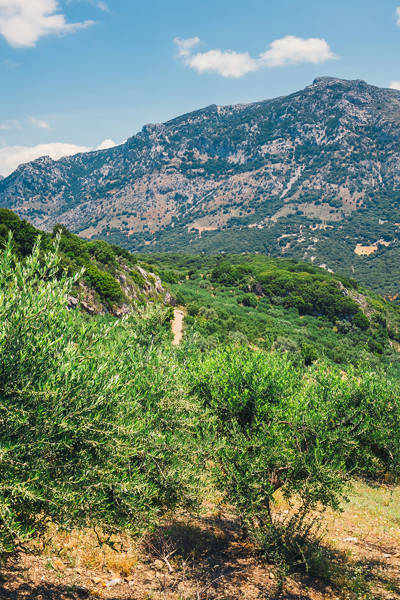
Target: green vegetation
[335,247]
[103,263]
[104,283]
[92,429]
[284,305]
[104,423]
[282,429]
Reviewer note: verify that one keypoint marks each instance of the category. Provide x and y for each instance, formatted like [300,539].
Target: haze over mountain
[313,175]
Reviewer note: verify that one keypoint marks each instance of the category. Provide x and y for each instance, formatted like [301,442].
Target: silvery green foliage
[92,430]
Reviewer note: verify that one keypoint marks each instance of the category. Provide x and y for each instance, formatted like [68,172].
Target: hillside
[280,305]
[213,468]
[270,303]
[113,282]
[314,175]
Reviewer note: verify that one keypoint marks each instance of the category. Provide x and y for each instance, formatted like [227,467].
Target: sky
[76,75]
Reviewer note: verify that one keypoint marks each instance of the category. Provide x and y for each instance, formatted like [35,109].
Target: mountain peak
[326,80]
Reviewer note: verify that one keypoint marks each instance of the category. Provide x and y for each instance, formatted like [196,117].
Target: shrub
[103,252]
[249,300]
[361,321]
[169,276]
[137,278]
[278,429]
[105,284]
[92,427]
[309,354]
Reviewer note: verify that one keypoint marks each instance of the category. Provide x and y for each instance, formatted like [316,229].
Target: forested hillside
[113,280]
[273,304]
[283,305]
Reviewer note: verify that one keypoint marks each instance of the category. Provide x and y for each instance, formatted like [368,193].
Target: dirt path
[177,326]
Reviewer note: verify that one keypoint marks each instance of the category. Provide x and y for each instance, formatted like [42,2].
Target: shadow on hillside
[213,554]
[43,591]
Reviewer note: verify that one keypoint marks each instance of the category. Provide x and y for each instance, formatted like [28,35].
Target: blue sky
[79,73]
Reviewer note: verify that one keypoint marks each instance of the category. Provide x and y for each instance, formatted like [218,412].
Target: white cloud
[289,50]
[398,16]
[103,6]
[105,144]
[12,156]
[24,22]
[186,45]
[292,50]
[39,123]
[395,85]
[227,64]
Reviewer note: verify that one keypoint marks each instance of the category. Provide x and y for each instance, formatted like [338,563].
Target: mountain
[314,175]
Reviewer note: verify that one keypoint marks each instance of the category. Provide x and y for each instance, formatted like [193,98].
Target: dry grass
[361,250]
[88,549]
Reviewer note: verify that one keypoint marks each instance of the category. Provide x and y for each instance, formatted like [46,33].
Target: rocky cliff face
[275,176]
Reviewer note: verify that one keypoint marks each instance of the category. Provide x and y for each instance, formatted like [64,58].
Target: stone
[114,582]
[72,302]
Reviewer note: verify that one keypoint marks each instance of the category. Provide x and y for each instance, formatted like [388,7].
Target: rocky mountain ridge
[313,175]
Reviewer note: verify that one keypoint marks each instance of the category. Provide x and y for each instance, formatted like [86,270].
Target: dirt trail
[177,326]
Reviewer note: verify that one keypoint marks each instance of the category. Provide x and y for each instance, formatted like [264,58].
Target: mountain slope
[314,175]
[113,281]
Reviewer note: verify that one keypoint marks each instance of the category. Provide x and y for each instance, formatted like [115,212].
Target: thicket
[302,432]
[92,428]
[104,423]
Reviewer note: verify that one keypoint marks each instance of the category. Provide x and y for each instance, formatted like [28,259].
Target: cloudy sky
[82,74]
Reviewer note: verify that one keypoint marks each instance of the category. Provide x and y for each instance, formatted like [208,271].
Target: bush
[361,321]
[309,354]
[105,284]
[169,276]
[249,300]
[137,278]
[279,429]
[103,252]
[92,427]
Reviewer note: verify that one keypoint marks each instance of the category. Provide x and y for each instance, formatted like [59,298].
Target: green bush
[169,276]
[137,278]
[278,428]
[93,430]
[360,321]
[105,284]
[103,252]
[308,353]
[249,300]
